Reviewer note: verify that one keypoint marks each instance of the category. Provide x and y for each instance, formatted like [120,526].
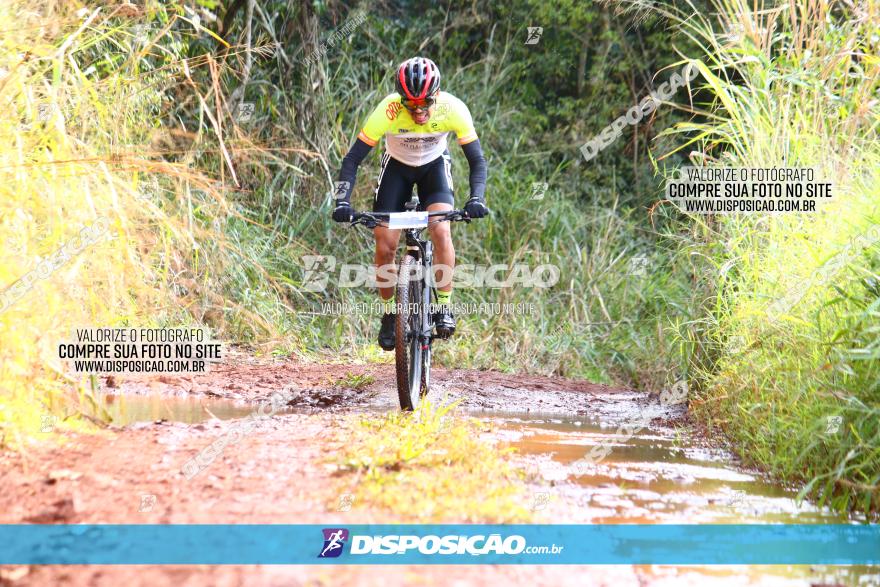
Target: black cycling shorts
[396,181]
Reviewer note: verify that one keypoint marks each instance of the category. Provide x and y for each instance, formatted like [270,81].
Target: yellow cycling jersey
[417,144]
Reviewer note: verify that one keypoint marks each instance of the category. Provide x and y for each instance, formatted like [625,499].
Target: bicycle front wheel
[408,352]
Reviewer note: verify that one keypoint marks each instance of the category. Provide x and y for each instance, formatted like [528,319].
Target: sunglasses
[423,104]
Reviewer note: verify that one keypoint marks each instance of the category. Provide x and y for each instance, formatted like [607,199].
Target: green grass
[355,381]
[787,334]
[430,465]
[86,102]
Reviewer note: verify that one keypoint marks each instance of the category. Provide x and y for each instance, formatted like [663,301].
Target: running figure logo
[334,541]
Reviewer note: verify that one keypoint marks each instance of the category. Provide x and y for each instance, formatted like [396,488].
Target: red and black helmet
[417,78]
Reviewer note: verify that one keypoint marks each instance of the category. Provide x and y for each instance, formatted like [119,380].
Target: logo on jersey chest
[393,110]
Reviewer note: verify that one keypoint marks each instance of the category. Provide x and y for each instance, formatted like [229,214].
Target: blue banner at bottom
[440,544]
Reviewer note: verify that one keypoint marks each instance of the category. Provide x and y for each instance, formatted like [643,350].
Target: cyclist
[415,121]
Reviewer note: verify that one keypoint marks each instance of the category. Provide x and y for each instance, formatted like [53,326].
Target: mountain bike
[414,321]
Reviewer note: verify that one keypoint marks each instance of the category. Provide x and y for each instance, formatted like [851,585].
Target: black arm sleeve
[477,162]
[348,171]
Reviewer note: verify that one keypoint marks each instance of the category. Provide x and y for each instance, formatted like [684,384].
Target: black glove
[476,208]
[343,211]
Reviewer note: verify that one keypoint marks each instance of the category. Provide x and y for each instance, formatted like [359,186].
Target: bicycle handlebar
[371,219]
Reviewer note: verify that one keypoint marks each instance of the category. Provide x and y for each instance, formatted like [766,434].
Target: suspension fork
[424,251]
[428,318]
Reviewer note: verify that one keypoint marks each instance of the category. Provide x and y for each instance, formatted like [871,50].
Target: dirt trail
[275,475]
[322,385]
[279,474]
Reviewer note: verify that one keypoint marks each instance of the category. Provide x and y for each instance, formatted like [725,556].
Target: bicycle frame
[415,323]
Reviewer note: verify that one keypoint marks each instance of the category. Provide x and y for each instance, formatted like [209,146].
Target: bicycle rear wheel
[408,352]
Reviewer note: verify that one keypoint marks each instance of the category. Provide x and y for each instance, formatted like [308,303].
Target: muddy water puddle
[619,474]
[656,475]
[650,474]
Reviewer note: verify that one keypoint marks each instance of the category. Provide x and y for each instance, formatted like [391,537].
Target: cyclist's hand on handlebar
[343,211]
[476,207]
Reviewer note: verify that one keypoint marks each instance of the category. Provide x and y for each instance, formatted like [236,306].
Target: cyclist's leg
[393,190]
[435,195]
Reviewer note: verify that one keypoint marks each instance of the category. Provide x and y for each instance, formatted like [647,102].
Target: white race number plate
[408,220]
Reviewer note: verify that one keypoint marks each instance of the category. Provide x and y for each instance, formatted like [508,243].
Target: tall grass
[788,338]
[84,98]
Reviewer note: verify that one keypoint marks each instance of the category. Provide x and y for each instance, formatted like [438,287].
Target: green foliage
[787,334]
[82,99]
[355,381]
[529,104]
